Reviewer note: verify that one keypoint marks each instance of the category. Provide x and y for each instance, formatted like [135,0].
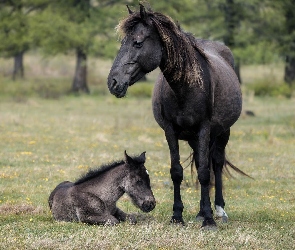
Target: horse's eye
[138,44]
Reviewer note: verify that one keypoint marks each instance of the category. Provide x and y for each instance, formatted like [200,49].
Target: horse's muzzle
[117,89]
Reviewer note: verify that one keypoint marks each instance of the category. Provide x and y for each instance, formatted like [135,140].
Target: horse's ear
[129,10]
[143,13]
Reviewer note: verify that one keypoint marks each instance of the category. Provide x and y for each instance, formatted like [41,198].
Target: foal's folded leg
[98,220]
[122,216]
[94,218]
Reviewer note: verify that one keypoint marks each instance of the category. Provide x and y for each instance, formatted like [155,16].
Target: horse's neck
[180,87]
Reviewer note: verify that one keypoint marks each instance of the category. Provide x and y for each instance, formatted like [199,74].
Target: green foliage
[268,87]
[88,25]
[13,31]
[255,54]
[260,31]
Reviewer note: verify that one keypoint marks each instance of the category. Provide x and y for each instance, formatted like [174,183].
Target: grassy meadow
[48,136]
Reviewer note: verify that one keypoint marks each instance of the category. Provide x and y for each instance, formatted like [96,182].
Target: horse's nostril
[114,83]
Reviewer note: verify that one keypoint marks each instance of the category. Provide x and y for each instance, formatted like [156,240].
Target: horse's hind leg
[218,161]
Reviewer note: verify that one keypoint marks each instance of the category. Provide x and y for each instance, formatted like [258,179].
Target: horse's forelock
[127,25]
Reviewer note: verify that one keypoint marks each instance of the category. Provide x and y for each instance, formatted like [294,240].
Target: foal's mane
[92,173]
[180,46]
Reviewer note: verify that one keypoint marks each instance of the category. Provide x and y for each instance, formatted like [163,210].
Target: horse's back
[216,48]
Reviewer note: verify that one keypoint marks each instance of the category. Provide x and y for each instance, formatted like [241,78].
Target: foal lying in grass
[92,198]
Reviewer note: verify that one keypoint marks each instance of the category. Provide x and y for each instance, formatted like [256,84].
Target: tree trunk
[290,57]
[231,22]
[80,79]
[18,68]
[290,70]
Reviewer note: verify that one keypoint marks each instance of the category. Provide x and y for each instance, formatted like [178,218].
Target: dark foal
[92,199]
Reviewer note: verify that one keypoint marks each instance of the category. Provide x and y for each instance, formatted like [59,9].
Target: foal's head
[137,183]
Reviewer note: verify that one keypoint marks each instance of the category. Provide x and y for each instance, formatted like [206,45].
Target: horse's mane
[92,173]
[180,46]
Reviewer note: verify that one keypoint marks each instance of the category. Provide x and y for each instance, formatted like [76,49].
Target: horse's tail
[228,164]
[50,200]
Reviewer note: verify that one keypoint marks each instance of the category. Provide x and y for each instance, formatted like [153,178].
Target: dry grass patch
[21,209]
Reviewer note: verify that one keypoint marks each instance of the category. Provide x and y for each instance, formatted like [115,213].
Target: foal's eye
[137,44]
[139,182]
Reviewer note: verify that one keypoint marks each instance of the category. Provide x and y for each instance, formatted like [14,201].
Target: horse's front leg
[204,174]
[176,173]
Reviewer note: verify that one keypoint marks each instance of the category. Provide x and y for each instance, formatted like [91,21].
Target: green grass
[46,141]
[48,135]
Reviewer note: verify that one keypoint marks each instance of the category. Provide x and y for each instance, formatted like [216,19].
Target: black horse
[196,98]
[92,199]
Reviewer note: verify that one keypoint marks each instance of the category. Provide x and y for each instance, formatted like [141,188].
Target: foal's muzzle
[148,205]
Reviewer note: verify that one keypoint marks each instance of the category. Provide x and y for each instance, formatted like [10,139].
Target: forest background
[259,32]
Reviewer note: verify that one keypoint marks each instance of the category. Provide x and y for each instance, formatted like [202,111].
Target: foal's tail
[61,185]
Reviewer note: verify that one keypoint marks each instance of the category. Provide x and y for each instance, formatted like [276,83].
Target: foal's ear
[129,10]
[143,13]
[128,159]
[137,160]
[141,158]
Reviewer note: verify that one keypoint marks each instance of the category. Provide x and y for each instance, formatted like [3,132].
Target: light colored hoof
[224,219]
[220,213]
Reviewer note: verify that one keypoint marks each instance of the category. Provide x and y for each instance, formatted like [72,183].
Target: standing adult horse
[196,98]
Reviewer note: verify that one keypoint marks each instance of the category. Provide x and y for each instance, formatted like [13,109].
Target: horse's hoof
[220,213]
[224,219]
[177,220]
[209,224]
[199,218]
